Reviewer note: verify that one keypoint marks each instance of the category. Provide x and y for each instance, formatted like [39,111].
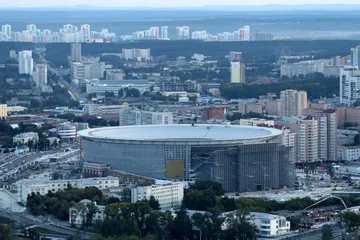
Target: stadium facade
[242,158]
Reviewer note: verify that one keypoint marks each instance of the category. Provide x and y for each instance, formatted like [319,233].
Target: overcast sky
[161,3]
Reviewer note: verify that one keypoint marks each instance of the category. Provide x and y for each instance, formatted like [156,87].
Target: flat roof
[198,132]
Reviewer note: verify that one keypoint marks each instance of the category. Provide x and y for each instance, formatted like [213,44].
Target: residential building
[349,153]
[327,126]
[25,138]
[235,56]
[87,70]
[76,52]
[115,74]
[137,54]
[347,114]
[256,122]
[304,67]
[41,75]
[169,195]
[164,32]
[180,61]
[269,225]
[215,112]
[78,213]
[355,57]
[273,107]
[100,87]
[178,86]
[237,72]
[107,112]
[6,32]
[255,107]
[307,149]
[28,186]
[86,32]
[293,102]
[3,111]
[183,33]
[319,105]
[349,85]
[128,116]
[26,63]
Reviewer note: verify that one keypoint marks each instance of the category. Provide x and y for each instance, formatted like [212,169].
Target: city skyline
[162,3]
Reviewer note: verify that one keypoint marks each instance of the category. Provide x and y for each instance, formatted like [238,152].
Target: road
[25,219]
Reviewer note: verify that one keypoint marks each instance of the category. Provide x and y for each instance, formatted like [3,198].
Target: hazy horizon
[163,3]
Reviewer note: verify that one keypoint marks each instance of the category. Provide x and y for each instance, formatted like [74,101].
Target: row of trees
[59,203]
[315,85]
[57,53]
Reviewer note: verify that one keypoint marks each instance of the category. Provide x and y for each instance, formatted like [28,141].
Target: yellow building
[3,111]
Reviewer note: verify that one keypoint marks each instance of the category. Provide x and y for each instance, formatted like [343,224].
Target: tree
[126,195]
[352,222]
[198,221]
[154,203]
[5,233]
[181,226]
[91,210]
[239,226]
[216,187]
[56,175]
[327,233]
[109,94]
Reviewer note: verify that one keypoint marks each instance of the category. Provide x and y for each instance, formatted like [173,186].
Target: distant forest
[252,51]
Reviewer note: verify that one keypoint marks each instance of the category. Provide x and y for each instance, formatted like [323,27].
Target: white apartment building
[3,111]
[26,63]
[237,72]
[100,87]
[28,186]
[305,67]
[169,195]
[6,32]
[269,225]
[293,102]
[349,85]
[349,153]
[183,33]
[128,116]
[41,75]
[164,32]
[24,138]
[136,53]
[77,214]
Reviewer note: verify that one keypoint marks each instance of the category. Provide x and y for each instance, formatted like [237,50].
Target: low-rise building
[78,213]
[256,122]
[42,187]
[100,87]
[169,195]
[25,138]
[215,112]
[269,225]
[349,153]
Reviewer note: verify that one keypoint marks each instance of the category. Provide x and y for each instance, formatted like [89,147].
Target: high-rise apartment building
[327,122]
[355,56]
[86,31]
[235,56]
[41,75]
[128,116]
[26,63]
[31,28]
[349,85]
[293,102]
[237,72]
[307,147]
[183,33]
[76,52]
[164,32]
[6,32]
[3,111]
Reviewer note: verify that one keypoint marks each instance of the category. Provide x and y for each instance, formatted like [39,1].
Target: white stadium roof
[184,132]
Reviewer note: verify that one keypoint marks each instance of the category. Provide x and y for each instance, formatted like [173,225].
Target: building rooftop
[264,215]
[198,132]
[83,181]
